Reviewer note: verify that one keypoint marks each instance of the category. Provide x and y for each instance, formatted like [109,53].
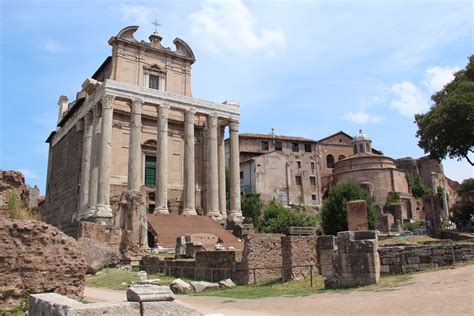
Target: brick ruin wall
[62,197]
[403,259]
[36,258]
[297,253]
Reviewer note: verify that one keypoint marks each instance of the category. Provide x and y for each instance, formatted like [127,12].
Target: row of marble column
[96,162]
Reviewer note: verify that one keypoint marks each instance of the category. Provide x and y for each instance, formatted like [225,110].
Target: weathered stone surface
[99,255]
[149,293]
[12,182]
[35,258]
[167,309]
[357,215]
[226,284]
[150,281]
[142,276]
[179,286]
[298,254]
[200,286]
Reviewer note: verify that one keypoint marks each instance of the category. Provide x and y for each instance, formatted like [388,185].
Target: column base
[215,214]
[223,216]
[103,211]
[160,210]
[235,217]
[189,211]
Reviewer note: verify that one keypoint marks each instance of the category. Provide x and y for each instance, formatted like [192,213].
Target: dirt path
[444,292]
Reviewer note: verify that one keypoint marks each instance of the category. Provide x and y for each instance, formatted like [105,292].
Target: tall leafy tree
[447,129]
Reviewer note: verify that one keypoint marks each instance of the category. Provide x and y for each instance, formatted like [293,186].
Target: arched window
[361,148]
[341,157]
[330,161]
[355,149]
[367,146]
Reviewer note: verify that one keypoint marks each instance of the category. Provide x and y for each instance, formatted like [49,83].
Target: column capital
[234,126]
[212,120]
[89,117]
[136,106]
[163,111]
[107,101]
[79,125]
[189,115]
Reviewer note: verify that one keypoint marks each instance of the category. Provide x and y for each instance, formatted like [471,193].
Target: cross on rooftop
[156,24]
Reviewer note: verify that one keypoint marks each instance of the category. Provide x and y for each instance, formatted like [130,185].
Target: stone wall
[357,216]
[261,251]
[177,268]
[107,234]
[215,265]
[12,182]
[403,259]
[356,261]
[325,247]
[35,258]
[298,251]
[62,190]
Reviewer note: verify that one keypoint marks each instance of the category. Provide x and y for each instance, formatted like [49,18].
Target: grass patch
[407,240]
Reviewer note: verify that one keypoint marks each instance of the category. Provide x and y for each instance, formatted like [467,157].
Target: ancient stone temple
[135,126]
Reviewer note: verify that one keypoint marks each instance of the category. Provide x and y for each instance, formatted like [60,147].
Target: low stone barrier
[297,253]
[403,259]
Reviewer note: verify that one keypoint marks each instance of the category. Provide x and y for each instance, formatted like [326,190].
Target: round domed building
[377,173]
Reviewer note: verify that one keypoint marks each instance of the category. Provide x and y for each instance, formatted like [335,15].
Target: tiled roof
[169,227]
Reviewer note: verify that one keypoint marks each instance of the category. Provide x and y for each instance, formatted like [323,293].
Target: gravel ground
[444,292]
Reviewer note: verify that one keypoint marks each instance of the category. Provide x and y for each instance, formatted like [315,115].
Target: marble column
[103,197]
[235,214]
[134,151]
[213,175]
[221,158]
[86,164]
[189,169]
[94,165]
[161,196]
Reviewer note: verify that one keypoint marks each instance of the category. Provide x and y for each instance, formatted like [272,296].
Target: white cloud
[409,100]
[362,118]
[52,46]
[437,77]
[229,25]
[137,14]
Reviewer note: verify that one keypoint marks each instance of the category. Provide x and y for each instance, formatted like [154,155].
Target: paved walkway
[444,292]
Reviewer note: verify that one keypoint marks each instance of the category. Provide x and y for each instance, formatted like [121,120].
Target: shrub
[277,219]
[252,208]
[16,209]
[393,198]
[334,214]
[418,188]
[462,211]
[413,226]
[466,185]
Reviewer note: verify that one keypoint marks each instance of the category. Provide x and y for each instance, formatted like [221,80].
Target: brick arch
[330,161]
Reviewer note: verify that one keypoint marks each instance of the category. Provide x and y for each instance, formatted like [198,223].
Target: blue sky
[305,68]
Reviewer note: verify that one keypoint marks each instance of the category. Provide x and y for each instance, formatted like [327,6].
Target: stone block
[385,269]
[301,231]
[226,284]
[422,252]
[149,293]
[325,242]
[365,234]
[410,268]
[357,215]
[395,269]
[167,309]
[439,251]
[179,286]
[200,286]
[358,246]
[413,260]
[387,260]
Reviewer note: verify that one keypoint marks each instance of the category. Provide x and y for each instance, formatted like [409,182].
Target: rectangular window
[298,164]
[298,180]
[150,171]
[312,165]
[278,146]
[313,197]
[154,82]
[307,148]
[312,180]
[295,147]
[264,145]
[241,174]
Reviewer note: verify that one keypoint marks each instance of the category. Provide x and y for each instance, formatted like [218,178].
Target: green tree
[277,218]
[466,185]
[252,208]
[334,214]
[447,129]
[418,188]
